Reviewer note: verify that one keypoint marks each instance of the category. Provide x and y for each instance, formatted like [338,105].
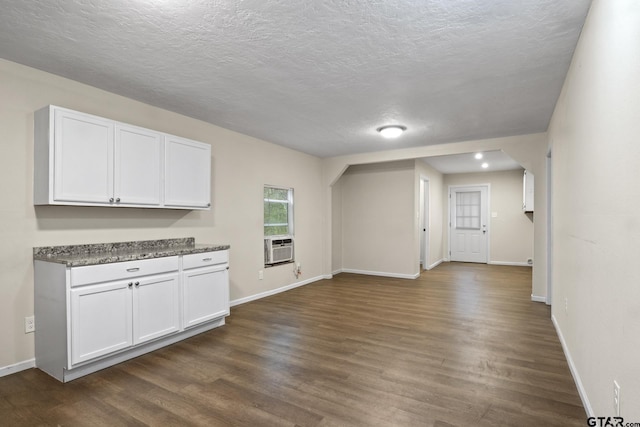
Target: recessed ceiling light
[478,156]
[485,165]
[391,131]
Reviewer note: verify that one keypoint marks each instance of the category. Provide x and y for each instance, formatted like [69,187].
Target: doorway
[468,223]
[424,223]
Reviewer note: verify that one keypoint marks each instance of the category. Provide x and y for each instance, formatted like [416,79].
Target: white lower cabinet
[113,316]
[206,294]
[156,307]
[92,317]
[100,320]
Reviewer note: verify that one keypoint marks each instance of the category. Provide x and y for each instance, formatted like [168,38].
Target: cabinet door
[138,164]
[100,320]
[156,305]
[83,158]
[205,294]
[187,173]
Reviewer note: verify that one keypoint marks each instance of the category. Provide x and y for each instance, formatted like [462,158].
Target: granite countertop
[105,253]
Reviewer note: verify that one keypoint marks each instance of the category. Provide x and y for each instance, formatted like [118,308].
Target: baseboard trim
[382,273]
[517,264]
[277,290]
[538,298]
[435,264]
[574,371]
[336,272]
[17,367]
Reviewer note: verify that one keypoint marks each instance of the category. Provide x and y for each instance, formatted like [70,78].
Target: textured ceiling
[467,163]
[316,76]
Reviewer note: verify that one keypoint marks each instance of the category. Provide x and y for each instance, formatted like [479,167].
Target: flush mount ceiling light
[391,131]
[485,165]
[478,156]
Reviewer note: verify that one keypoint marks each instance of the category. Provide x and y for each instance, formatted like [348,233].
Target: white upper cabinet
[82,159]
[527,191]
[138,166]
[187,173]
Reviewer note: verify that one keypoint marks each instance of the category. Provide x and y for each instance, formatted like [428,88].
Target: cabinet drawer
[204,259]
[121,270]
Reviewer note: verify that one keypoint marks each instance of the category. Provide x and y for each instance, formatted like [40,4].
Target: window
[278,211]
[468,210]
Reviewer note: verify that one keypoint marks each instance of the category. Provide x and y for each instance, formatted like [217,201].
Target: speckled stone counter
[105,253]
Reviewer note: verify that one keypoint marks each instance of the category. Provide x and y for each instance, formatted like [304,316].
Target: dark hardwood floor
[461,346]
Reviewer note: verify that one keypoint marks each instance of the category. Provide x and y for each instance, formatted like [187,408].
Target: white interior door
[469,231]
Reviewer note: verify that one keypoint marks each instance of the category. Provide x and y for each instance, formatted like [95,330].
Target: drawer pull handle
[133,270]
[206,259]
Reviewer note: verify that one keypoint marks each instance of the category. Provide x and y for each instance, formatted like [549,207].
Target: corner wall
[378,219]
[336,227]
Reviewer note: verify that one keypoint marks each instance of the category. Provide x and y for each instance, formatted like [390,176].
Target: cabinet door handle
[130,284]
[118,200]
[206,259]
[227,267]
[137,284]
[133,270]
[111,200]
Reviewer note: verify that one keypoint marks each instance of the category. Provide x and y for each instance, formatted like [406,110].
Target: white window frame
[289,201]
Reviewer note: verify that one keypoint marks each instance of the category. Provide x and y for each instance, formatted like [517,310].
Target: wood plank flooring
[463,345]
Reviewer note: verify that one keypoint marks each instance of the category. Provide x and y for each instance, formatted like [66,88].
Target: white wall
[511,231]
[241,166]
[595,133]
[378,219]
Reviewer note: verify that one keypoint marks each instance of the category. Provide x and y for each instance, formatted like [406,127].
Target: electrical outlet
[29,324]
[260,275]
[616,398]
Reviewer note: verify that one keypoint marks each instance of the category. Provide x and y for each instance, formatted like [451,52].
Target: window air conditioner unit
[278,249]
